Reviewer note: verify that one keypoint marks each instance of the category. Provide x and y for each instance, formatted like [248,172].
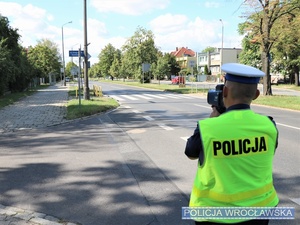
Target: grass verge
[88,107]
[279,101]
[162,87]
[13,97]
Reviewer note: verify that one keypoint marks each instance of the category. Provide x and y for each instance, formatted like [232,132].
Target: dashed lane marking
[207,107]
[284,125]
[163,126]
[148,118]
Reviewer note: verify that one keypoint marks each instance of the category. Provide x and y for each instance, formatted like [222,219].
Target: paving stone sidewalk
[42,109]
[16,216]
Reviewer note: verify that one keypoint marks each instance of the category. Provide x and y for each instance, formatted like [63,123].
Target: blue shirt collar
[238,106]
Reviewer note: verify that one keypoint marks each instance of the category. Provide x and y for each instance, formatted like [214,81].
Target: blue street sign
[74,53]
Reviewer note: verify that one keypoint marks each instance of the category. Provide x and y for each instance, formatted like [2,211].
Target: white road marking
[136,111]
[171,96]
[296,200]
[117,97]
[129,97]
[154,96]
[184,138]
[207,107]
[142,96]
[163,126]
[126,107]
[297,128]
[148,118]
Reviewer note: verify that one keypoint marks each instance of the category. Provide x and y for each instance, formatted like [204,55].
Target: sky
[175,23]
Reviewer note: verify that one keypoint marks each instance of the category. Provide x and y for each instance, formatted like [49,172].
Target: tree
[106,58]
[209,49]
[162,68]
[6,67]
[138,49]
[115,69]
[267,13]
[45,58]
[69,67]
[250,54]
[174,67]
[15,70]
[206,70]
[287,49]
[94,71]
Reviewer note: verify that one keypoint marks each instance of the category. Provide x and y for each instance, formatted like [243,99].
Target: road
[159,123]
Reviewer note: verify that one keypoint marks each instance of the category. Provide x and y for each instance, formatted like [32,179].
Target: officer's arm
[193,145]
[276,144]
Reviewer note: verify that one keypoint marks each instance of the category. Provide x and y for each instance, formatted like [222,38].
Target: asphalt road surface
[160,122]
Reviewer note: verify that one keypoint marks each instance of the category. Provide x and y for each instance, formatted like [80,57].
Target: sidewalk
[42,109]
[88,172]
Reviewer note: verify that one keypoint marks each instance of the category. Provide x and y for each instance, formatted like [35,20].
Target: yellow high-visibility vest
[238,147]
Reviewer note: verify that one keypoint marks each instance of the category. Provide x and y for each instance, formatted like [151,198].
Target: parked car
[178,80]
[67,79]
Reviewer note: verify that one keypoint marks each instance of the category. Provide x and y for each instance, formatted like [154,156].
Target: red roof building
[183,52]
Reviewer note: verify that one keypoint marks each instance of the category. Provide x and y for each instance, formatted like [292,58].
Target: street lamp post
[86,78]
[63,52]
[221,63]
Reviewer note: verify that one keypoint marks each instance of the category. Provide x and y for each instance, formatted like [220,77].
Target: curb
[12,215]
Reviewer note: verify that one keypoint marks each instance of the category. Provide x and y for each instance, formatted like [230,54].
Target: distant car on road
[67,79]
[178,80]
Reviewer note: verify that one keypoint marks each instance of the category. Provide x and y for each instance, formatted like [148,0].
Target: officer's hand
[214,113]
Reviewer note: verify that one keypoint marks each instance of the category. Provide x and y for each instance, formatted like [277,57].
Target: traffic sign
[74,53]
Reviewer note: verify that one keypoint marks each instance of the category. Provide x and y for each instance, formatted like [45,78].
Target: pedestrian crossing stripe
[136,97]
[129,97]
[155,96]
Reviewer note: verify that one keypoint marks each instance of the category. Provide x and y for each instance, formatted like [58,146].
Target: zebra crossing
[144,96]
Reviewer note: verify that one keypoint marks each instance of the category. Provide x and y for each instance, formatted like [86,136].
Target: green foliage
[209,49]
[138,49]
[115,69]
[162,68]
[106,58]
[206,70]
[68,68]
[15,70]
[262,27]
[250,54]
[174,67]
[94,71]
[45,58]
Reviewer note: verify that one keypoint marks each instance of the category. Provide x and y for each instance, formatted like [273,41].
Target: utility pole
[63,53]
[222,44]
[86,78]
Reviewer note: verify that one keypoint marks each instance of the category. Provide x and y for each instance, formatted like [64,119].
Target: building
[185,57]
[213,60]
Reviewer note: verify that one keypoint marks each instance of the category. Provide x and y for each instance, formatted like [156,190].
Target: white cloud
[178,31]
[129,7]
[168,23]
[31,21]
[212,4]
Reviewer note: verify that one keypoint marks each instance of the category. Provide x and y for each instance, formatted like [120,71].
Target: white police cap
[242,73]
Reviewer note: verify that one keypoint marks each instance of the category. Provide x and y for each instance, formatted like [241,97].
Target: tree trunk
[267,90]
[297,78]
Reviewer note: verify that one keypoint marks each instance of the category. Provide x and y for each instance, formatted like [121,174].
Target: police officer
[235,150]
